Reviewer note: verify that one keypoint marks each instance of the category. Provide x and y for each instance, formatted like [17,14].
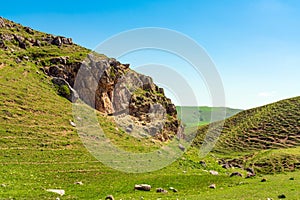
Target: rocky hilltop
[107,85]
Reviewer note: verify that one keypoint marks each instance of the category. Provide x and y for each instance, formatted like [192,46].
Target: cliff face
[104,83]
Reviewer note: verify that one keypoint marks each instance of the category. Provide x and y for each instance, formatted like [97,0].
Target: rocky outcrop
[106,84]
[113,88]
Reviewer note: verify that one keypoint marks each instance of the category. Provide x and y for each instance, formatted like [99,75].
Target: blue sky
[255,44]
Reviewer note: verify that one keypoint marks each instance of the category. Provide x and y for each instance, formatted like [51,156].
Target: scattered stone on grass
[213,186]
[109,197]
[181,147]
[173,189]
[143,187]
[72,123]
[212,172]
[78,183]
[282,196]
[57,191]
[250,170]
[226,166]
[161,190]
[263,180]
[249,175]
[203,163]
[236,174]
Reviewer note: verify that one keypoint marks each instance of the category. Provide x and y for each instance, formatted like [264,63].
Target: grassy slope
[276,125]
[251,137]
[203,113]
[41,150]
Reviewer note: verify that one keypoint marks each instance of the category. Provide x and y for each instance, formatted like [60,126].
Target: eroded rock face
[114,89]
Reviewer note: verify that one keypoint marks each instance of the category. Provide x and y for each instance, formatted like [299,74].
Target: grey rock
[37,43]
[173,189]
[181,147]
[282,196]
[236,174]
[249,175]
[18,60]
[73,96]
[129,129]
[161,190]
[59,60]
[57,41]
[203,163]
[226,166]
[143,187]
[251,170]
[21,41]
[109,197]
[29,30]
[66,40]
[2,44]
[2,22]
[213,186]
[263,180]
[212,172]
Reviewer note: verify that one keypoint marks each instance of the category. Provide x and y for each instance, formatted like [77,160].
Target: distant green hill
[203,114]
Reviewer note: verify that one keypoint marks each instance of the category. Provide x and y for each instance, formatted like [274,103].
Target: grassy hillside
[41,150]
[204,113]
[251,137]
[276,125]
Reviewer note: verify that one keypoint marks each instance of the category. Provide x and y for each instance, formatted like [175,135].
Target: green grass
[40,149]
[201,115]
[272,126]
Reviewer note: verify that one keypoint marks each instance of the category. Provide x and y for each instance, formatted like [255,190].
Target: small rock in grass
[263,180]
[213,186]
[3,185]
[181,147]
[251,170]
[203,163]
[57,191]
[72,123]
[57,198]
[173,189]
[143,187]
[249,175]
[109,197]
[269,199]
[212,172]
[78,183]
[161,190]
[226,166]
[236,174]
[282,196]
